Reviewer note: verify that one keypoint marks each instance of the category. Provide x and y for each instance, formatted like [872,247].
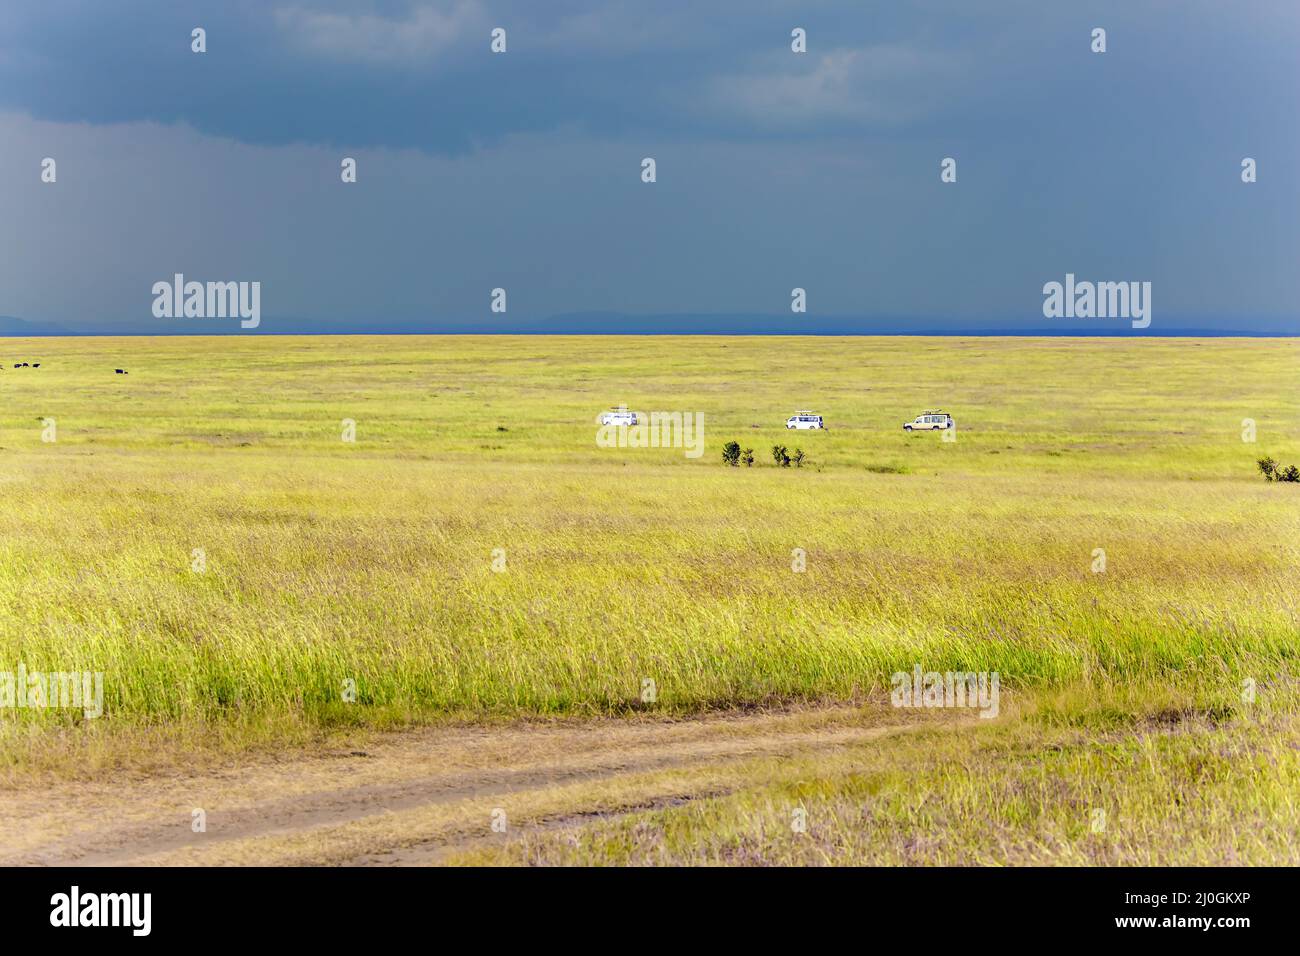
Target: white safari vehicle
[618,416]
[930,421]
[805,420]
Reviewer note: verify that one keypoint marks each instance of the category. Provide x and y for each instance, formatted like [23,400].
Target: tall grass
[372,562]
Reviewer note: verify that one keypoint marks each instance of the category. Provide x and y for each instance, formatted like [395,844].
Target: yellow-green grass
[1169,788]
[373,561]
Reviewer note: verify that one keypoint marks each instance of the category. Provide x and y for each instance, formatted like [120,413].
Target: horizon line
[956,334]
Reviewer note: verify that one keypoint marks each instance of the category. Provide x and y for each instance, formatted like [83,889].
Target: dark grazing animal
[120,371]
[36,365]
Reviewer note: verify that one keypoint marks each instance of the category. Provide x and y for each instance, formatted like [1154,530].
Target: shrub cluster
[783,458]
[1272,471]
[733,455]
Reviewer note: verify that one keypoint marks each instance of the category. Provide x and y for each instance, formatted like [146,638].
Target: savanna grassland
[322,561]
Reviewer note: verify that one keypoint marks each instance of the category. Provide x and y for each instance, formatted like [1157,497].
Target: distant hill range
[583,323]
[11,327]
[678,323]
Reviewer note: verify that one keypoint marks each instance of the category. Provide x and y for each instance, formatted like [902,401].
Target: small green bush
[731,453]
[1272,471]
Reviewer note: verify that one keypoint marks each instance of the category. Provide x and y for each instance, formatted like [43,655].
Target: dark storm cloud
[776,170]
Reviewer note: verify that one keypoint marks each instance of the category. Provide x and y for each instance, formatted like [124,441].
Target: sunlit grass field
[1198,791]
[325,561]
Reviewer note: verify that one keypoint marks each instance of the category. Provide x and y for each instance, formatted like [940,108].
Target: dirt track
[409,798]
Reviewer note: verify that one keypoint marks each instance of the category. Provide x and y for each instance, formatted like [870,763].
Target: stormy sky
[775,170]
